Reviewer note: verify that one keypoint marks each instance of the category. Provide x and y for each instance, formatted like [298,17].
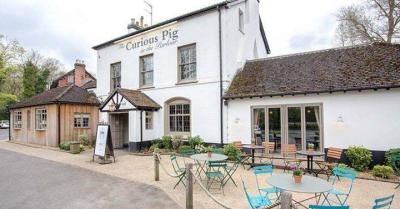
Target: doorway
[119,129]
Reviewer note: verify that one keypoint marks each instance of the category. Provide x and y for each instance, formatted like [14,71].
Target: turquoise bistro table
[309,184]
[203,157]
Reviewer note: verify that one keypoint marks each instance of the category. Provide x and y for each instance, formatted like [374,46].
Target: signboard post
[103,141]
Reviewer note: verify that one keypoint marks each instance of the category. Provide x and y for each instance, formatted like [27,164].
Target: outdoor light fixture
[339,122]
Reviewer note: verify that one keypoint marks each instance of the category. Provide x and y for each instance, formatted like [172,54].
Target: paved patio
[140,169]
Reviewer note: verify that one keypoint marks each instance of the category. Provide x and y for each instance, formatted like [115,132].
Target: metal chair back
[256,202]
[175,165]
[384,202]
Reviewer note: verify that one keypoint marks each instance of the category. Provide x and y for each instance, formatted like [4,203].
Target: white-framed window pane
[179,118]
[17,119]
[115,75]
[187,62]
[146,70]
[149,120]
[41,119]
[81,120]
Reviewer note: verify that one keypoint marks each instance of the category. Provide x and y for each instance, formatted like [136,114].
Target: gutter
[220,78]
[9,122]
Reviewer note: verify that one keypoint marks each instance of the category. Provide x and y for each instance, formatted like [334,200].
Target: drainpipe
[9,126]
[221,105]
[141,130]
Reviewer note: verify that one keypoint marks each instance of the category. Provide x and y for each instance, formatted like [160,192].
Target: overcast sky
[67,29]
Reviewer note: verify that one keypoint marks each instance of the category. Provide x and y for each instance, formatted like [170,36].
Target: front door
[119,129]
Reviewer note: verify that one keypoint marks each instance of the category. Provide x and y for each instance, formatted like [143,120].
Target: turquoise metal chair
[231,169]
[187,152]
[218,151]
[179,171]
[265,170]
[384,202]
[344,174]
[256,202]
[328,207]
[215,174]
[396,162]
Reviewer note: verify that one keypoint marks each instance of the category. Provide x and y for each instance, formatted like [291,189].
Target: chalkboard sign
[103,140]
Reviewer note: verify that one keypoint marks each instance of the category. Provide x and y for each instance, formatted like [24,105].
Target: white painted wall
[371,118]
[204,94]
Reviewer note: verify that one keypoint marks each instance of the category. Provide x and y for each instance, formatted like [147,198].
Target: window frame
[179,64]
[39,125]
[141,72]
[79,117]
[241,21]
[113,78]
[175,102]
[17,123]
[148,115]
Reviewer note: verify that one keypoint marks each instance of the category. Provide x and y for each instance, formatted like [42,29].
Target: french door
[288,124]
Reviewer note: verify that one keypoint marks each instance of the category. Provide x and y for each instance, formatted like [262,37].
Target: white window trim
[141,72]
[149,116]
[80,117]
[187,80]
[112,77]
[178,101]
[17,124]
[40,120]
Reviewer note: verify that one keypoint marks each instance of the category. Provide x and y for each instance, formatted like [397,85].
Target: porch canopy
[125,100]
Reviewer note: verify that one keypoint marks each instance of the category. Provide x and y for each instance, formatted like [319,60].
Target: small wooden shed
[55,116]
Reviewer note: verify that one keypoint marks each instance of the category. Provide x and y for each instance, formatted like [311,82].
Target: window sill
[146,87]
[82,127]
[40,129]
[18,129]
[186,82]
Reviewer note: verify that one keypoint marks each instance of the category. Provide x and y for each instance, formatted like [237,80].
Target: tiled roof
[361,67]
[64,95]
[135,97]
[90,84]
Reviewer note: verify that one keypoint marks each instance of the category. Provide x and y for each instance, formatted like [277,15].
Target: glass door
[294,127]
[274,118]
[258,136]
[313,126]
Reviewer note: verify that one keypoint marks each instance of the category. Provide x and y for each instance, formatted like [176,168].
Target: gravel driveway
[30,182]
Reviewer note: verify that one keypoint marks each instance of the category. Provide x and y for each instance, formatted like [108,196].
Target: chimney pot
[141,21]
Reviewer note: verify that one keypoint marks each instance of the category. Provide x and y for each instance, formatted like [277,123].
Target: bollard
[189,186]
[156,167]
[286,200]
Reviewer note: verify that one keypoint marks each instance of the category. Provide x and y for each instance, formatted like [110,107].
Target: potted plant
[209,151]
[297,175]
[310,147]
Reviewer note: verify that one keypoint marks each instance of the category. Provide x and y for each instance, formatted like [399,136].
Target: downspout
[9,126]
[220,77]
[141,130]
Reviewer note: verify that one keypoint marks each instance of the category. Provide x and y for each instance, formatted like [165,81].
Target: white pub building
[179,70]
[206,73]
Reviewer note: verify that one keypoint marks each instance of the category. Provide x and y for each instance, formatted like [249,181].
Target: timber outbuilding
[55,116]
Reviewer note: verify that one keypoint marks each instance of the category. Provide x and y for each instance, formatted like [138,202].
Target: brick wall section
[62,82]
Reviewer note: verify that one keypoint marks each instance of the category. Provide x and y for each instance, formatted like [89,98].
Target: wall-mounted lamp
[339,122]
[237,120]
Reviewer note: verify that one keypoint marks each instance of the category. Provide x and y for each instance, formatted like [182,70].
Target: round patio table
[310,159]
[309,185]
[253,148]
[204,157]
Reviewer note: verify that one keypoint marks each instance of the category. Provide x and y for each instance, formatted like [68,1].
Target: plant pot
[74,147]
[297,179]
[209,154]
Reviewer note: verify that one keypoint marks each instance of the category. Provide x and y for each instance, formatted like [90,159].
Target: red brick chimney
[80,72]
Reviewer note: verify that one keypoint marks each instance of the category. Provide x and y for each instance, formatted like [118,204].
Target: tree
[11,80]
[5,101]
[42,81]
[10,51]
[29,79]
[373,21]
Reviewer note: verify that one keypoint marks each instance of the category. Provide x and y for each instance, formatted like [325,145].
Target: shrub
[93,142]
[383,171]
[153,147]
[176,142]
[200,148]
[84,139]
[65,145]
[389,154]
[231,151]
[166,142]
[184,147]
[341,165]
[81,148]
[359,157]
[194,141]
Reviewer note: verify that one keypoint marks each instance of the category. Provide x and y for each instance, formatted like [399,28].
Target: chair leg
[397,186]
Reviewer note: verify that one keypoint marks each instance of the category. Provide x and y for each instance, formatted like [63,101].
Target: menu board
[101,140]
